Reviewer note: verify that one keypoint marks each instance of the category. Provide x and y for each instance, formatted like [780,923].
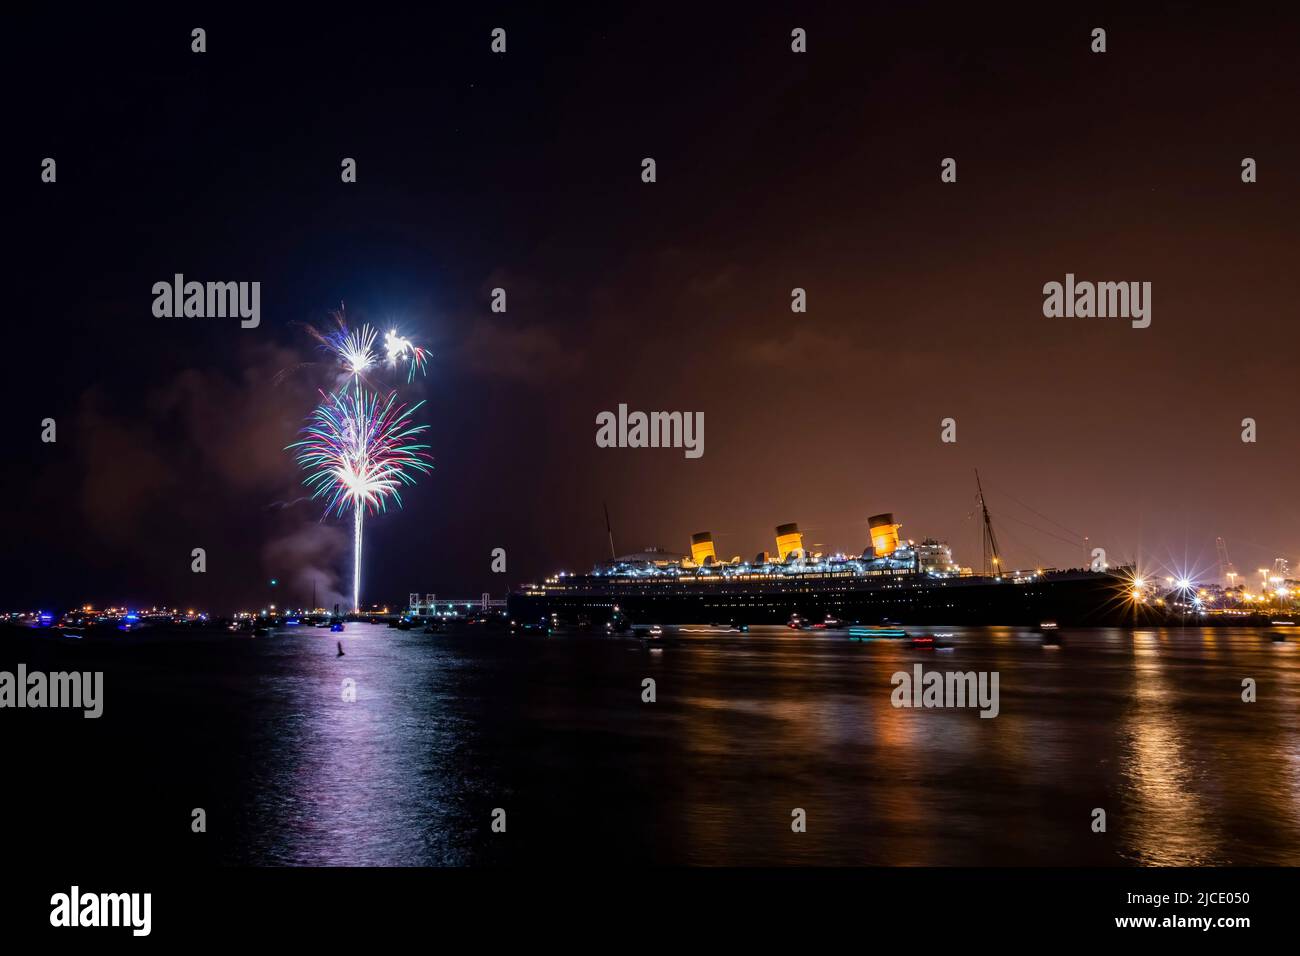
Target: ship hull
[1070,599]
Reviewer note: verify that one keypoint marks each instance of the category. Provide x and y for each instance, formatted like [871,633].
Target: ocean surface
[745,729]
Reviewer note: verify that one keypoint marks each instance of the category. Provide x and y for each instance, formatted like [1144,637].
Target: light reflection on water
[1148,725]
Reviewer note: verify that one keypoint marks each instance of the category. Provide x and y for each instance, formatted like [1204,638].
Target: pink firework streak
[359,452]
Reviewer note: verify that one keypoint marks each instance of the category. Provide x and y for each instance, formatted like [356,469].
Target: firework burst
[355,349]
[360,450]
[401,350]
[352,348]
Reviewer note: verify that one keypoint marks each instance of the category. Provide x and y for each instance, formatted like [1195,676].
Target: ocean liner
[893,580]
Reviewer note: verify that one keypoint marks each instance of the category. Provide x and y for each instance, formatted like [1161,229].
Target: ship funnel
[702,548]
[788,540]
[884,534]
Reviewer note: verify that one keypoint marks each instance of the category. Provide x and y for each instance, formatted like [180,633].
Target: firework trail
[359,451]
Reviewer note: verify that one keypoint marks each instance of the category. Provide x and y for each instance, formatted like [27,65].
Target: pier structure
[428,605]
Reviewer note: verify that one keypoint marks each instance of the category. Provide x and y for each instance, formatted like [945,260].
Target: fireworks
[360,450]
[401,350]
[354,348]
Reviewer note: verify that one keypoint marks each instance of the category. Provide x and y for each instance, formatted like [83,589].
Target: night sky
[775,171]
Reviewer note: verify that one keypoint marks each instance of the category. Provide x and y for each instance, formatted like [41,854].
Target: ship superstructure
[892,580]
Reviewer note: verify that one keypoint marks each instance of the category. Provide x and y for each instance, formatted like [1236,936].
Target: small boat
[336,627]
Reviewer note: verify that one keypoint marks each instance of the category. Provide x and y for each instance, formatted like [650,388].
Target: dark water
[1148,725]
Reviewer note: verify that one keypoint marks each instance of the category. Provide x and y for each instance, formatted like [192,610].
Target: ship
[893,581]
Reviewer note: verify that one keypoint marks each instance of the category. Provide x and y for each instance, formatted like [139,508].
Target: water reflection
[1170,824]
[1148,725]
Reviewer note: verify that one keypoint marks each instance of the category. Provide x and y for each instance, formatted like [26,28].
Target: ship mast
[610,530]
[990,541]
